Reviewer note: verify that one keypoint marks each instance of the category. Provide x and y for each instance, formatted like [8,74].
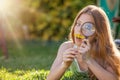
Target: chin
[78,43]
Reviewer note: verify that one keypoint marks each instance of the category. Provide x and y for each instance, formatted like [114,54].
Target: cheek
[76,29]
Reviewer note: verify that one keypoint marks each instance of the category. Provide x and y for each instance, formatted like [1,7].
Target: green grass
[32,54]
[37,75]
[32,61]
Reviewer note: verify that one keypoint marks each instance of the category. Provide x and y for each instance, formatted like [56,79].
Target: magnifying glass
[88,29]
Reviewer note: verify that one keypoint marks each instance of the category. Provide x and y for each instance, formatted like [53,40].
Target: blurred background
[32,30]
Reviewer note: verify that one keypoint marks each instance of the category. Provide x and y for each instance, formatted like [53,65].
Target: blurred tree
[51,19]
[3,41]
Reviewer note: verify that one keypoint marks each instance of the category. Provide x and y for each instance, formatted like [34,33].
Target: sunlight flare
[9,19]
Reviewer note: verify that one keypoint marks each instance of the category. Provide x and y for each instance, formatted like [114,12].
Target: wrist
[86,57]
[89,61]
[64,65]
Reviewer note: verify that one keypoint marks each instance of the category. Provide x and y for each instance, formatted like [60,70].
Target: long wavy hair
[102,44]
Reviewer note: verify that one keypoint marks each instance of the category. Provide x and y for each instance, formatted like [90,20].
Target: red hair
[103,46]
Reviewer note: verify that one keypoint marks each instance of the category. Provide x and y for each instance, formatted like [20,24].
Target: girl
[96,54]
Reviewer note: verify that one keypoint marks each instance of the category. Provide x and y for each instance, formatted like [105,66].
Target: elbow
[49,77]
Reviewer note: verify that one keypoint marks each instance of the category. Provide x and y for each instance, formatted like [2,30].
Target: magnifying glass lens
[88,29]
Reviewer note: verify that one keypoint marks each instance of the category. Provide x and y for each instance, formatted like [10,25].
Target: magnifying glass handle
[86,37]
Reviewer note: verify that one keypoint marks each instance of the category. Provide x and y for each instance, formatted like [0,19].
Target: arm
[63,60]
[98,70]
[82,64]
[57,69]
[101,73]
[57,73]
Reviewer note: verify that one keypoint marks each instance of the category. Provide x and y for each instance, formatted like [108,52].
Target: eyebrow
[78,21]
[89,22]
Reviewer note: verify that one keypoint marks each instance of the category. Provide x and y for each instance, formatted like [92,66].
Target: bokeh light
[9,18]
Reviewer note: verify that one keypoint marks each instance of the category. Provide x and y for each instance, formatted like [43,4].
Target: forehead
[85,18]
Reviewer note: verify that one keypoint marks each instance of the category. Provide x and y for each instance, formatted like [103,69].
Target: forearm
[100,72]
[57,73]
[83,66]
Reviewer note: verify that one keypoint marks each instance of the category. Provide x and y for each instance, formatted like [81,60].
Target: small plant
[38,75]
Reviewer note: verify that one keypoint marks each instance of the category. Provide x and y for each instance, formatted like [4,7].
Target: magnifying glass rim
[84,24]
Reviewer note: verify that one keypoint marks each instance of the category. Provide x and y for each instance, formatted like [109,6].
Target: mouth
[78,36]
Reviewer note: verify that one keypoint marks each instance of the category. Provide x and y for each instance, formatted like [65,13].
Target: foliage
[117,35]
[51,19]
[38,75]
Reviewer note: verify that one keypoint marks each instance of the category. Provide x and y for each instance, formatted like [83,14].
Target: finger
[71,49]
[86,48]
[69,56]
[88,43]
[85,42]
[70,52]
[83,50]
[67,59]
[83,45]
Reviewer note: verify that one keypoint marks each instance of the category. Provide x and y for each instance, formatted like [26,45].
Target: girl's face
[84,18]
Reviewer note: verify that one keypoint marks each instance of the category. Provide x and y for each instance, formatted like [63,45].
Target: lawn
[30,55]
[31,60]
